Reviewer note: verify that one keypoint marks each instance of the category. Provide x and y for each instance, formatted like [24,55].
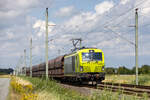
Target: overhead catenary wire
[124,13]
[106,24]
[120,35]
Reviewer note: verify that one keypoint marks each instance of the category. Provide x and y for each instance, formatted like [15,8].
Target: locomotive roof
[79,50]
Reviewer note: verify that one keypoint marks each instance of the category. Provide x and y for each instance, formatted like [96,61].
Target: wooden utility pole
[46,44]
[136,44]
[31,57]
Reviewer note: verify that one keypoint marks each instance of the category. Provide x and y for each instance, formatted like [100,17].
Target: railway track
[131,89]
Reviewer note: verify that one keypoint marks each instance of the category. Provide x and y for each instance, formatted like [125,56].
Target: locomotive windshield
[94,56]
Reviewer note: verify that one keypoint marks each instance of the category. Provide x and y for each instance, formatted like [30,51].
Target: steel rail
[138,90]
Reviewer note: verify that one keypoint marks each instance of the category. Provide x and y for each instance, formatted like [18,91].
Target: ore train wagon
[83,65]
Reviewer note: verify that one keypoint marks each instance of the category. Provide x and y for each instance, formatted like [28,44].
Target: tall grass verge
[55,90]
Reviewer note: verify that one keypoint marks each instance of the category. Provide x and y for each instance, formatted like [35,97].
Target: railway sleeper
[127,88]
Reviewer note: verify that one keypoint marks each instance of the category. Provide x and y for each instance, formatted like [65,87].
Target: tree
[110,70]
[6,71]
[124,70]
[145,69]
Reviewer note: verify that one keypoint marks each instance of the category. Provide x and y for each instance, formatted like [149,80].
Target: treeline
[6,71]
[145,69]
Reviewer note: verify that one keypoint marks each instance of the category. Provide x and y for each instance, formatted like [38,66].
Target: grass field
[128,79]
[4,76]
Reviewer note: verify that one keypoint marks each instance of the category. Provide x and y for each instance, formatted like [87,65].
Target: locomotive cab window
[86,56]
[94,56]
[97,56]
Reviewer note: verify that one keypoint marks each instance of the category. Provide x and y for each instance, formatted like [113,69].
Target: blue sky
[92,20]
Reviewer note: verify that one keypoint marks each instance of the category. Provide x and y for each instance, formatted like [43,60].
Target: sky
[104,24]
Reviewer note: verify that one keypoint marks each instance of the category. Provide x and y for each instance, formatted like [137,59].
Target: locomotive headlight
[103,68]
[81,68]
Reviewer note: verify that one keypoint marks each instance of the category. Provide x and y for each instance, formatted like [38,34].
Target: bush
[142,80]
[26,91]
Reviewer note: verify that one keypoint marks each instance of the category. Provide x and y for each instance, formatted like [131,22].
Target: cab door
[77,63]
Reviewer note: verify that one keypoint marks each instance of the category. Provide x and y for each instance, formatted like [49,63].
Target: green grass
[60,93]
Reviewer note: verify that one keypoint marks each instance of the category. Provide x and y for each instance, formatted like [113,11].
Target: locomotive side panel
[69,65]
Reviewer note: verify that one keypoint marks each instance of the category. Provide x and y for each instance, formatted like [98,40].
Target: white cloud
[10,35]
[52,47]
[65,11]
[9,14]
[36,50]
[124,1]
[26,3]
[40,25]
[144,7]
[81,23]
[22,4]
[9,9]
[146,10]
[103,7]
[15,8]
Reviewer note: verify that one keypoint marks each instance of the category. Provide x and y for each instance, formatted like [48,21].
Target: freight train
[84,65]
